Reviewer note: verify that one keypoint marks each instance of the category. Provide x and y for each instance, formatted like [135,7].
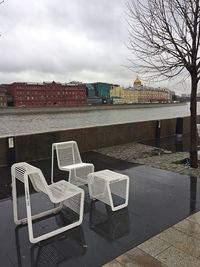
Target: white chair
[198,132]
[69,159]
[62,193]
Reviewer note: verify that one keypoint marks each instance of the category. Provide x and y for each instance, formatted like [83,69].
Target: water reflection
[179,144]
[52,251]
[193,194]
[109,224]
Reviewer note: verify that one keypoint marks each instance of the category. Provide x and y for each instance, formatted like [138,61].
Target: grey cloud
[44,40]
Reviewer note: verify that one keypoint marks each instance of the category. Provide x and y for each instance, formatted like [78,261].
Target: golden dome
[137,82]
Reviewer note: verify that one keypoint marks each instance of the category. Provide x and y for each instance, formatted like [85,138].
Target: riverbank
[54,110]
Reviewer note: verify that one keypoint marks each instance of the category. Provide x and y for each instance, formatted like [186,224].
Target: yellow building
[117,94]
[130,96]
[149,95]
[116,91]
[139,94]
[144,96]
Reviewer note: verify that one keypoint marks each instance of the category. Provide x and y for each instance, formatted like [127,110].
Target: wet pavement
[158,199]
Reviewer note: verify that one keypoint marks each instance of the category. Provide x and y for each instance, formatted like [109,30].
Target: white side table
[109,187]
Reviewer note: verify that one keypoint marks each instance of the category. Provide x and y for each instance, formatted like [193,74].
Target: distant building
[46,94]
[149,95]
[116,91]
[99,90]
[117,94]
[141,94]
[131,95]
[76,93]
[3,97]
[121,95]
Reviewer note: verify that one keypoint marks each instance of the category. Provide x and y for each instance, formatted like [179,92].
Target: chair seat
[60,189]
[76,166]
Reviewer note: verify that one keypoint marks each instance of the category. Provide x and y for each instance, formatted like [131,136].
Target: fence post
[11,151]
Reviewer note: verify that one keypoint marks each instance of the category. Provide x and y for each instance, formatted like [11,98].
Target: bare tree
[165,38]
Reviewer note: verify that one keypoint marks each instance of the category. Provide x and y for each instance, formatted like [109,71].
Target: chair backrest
[67,153]
[19,170]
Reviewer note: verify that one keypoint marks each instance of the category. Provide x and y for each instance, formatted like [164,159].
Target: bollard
[179,127]
[158,126]
[11,151]
[157,140]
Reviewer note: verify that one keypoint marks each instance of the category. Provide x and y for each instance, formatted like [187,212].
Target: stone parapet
[38,146]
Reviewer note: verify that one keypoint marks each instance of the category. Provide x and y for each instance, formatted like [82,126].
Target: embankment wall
[32,147]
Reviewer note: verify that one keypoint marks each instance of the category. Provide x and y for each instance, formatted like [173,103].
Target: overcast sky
[62,40]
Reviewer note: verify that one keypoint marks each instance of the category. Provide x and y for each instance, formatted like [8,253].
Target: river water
[11,125]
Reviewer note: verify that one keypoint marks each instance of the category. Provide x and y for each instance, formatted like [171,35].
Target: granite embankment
[46,110]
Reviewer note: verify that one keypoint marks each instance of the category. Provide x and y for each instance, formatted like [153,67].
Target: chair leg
[15,205]
[14,196]
[110,197]
[52,163]
[28,210]
[72,177]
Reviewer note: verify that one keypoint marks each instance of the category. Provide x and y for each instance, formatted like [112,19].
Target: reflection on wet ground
[158,199]
[172,143]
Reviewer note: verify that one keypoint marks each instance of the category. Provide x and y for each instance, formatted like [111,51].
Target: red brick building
[47,94]
[3,98]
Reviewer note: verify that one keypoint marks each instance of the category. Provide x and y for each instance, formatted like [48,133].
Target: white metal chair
[69,159]
[62,193]
[198,132]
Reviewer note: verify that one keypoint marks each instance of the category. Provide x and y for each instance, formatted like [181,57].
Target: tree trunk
[193,121]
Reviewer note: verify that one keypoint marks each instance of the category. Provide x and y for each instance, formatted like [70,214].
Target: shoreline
[49,110]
